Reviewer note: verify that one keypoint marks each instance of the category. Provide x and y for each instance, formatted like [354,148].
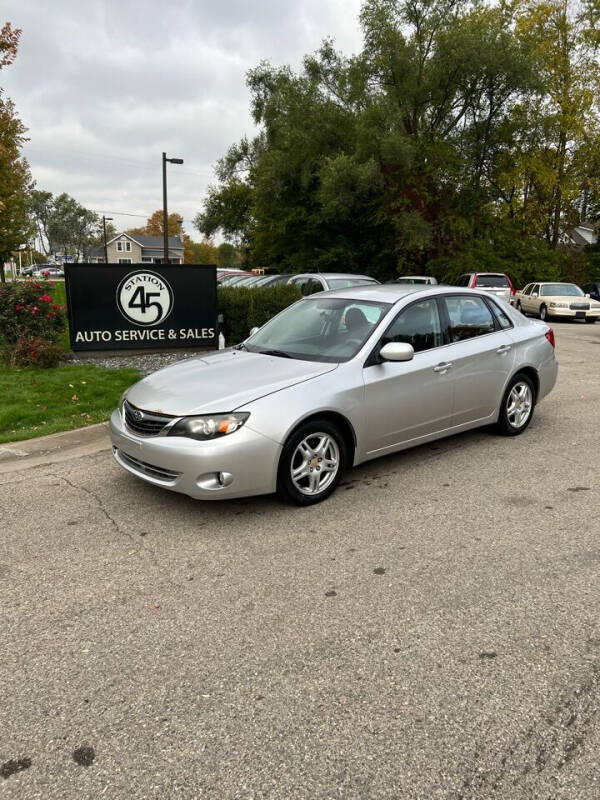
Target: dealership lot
[431,631]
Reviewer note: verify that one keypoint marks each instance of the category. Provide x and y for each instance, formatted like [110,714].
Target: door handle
[443,367]
[504,349]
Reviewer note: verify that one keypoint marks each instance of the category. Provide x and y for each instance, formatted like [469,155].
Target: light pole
[165,213]
[104,219]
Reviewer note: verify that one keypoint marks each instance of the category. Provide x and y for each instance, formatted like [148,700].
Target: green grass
[35,402]
[59,295]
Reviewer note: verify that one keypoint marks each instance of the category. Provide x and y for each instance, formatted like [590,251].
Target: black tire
[590,320]
[506,427]
[544,315]
[286,488]
[518,306]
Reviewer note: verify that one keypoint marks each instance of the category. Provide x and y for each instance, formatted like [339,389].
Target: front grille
[160,473]
[150,424]
[579,306]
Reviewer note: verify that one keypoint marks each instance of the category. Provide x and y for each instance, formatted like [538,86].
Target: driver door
[410,400]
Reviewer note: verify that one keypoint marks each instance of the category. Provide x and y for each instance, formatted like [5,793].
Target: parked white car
[565,300]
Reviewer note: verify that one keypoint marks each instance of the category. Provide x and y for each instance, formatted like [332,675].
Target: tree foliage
[460,131]
[15,178]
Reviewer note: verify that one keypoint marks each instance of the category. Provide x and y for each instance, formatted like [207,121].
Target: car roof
[393,292]
[333,275]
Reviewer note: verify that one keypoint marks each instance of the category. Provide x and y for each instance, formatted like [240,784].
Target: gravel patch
[144,362]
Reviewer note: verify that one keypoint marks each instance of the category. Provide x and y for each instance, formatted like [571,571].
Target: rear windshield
[561,290]
[344,283]
[493,281]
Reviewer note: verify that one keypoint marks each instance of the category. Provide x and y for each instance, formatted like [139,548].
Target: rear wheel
[590,320]
[517,407]
[312,463]
[518,306]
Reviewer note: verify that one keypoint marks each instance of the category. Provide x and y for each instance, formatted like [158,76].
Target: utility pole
[104,219]
[165,212]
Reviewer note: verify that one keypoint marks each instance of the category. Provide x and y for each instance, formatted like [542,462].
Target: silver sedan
[332,381]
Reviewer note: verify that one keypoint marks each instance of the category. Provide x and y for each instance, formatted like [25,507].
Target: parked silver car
[334,380]
[312,282]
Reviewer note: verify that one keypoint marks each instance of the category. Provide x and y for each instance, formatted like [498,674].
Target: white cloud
[105,86]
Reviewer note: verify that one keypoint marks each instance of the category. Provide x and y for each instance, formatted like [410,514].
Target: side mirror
[397,351]
[253,331]
[587,294]
[535,294]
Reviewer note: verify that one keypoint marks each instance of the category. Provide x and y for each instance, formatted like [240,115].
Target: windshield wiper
[280,353]
[240,346]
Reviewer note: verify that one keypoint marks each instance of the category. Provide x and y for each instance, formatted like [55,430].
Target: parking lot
[431,631]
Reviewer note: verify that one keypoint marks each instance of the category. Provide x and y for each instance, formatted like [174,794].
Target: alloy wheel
[315,463]
[519,404]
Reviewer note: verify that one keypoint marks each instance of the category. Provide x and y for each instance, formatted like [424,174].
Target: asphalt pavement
[431,631]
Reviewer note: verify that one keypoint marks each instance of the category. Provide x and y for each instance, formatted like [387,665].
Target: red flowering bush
[27,311]
[33,351]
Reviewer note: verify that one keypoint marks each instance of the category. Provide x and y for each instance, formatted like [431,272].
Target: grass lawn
[35,402]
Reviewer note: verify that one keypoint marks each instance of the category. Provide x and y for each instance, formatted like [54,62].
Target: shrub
[243,309]
[33,352]
[27,310]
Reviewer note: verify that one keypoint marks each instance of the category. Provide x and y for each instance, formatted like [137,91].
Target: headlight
[209,426]
[122,399]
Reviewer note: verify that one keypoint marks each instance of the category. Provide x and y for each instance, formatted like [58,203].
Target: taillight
[513,291]
[550,336]
[473,282]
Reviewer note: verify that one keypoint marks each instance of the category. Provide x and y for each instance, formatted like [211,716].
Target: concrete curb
[15,456]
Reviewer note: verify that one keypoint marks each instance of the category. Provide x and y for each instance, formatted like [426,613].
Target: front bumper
[571,313]
[239,465]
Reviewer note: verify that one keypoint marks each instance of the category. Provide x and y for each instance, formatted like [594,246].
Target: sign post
[134,307]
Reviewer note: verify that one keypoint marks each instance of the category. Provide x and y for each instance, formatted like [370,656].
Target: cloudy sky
[104,87]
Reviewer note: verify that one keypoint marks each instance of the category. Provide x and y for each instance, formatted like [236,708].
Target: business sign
[134,307]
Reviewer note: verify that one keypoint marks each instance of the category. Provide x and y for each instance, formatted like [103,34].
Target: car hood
[220,382]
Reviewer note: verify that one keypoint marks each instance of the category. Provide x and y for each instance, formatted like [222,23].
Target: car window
[561,290]
[346,283]
[502,318]
[469,317]
[300,281]
[535,289]
[489,281]
[527,289]
[418,325]
[312,287]
[328,329]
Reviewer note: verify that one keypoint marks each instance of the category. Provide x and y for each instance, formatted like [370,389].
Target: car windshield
[411,280]
[490,281]
[561,290]
[345,283]
[329,329]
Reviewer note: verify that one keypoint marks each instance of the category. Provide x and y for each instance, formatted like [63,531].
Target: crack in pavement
[140,546]
[542,751]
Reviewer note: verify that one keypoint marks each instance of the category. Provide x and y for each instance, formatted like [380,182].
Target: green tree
[15,178]
[551,171]
[71,228]
[227,255]
[382,160]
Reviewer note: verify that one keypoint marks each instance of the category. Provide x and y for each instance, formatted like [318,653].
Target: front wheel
[312,463]
[517,406]
[544,314]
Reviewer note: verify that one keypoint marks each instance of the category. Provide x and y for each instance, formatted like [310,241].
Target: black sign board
[135,307]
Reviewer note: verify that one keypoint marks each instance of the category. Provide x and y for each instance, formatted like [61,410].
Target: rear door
[481,354]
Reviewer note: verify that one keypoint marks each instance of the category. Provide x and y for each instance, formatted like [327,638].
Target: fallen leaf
[74,398]
[155,606]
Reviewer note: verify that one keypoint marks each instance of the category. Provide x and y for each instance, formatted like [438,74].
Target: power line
[119,213]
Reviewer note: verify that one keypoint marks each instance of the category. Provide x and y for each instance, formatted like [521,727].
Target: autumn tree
[15,177]
[155,225]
